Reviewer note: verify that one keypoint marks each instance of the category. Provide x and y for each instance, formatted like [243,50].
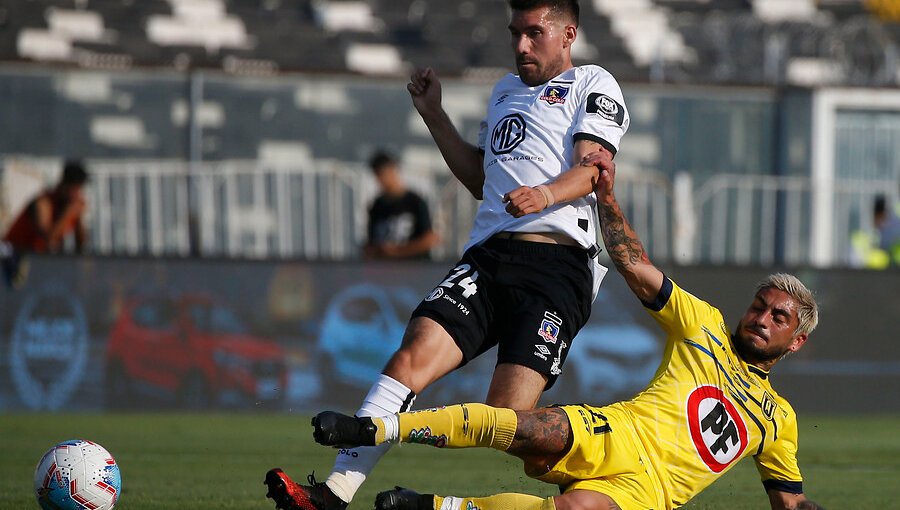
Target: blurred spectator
[887,223]
[399,220]
[880,248]
[49,218]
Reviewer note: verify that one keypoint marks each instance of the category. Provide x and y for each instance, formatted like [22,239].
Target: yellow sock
[459,426]
[506,501]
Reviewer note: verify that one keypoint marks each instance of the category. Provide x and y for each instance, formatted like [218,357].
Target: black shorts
[530,298]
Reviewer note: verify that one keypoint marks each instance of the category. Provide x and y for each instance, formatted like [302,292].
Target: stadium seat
[700,41]
[779,10]
[202,23]
[78,25]
[41,44]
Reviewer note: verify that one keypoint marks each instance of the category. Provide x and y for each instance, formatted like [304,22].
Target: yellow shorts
[607,457]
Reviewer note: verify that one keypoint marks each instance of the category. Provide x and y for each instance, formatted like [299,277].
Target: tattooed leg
[543,437]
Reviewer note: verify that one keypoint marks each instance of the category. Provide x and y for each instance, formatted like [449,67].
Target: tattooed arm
[622,243]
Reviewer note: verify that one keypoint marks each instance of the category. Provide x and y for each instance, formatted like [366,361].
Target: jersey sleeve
[482,135]
[602,116]
[777,463]
[677,310]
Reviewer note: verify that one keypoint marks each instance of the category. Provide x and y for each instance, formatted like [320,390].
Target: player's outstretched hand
[524,200]
[425,90]
[604,162]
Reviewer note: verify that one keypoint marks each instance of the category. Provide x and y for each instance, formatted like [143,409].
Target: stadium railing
[250,209]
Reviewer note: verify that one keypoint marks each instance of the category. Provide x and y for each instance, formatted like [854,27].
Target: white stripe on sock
[391,428]
[451,503]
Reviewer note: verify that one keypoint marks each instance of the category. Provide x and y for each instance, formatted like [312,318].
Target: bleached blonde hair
[807,309]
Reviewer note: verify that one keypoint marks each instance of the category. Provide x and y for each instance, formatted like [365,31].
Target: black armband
[665,292]
[780,485]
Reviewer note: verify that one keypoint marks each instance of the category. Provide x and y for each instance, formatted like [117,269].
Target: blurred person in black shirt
[399,220]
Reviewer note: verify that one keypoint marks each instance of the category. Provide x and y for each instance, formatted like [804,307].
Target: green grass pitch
[217,461]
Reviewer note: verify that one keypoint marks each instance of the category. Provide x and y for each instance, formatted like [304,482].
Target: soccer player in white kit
[527,276]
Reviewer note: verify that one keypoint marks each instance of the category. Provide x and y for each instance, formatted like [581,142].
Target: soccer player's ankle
[334,498]
[387,429]
[428,502]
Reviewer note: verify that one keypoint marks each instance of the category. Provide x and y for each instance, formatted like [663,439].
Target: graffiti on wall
[92,334]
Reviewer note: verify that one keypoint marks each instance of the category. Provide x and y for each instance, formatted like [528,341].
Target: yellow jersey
[705,408]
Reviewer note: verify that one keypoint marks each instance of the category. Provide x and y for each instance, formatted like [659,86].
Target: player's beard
[750,352]
[540,72]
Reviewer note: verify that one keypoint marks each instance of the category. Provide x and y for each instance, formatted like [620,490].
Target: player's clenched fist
[425,89]
[524,200]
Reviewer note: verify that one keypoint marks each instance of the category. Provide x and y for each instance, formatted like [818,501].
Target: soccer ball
[77,475]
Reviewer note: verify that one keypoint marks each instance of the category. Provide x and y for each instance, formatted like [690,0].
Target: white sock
[351,467]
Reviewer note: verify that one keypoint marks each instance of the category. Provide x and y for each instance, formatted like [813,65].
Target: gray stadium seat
[462,36]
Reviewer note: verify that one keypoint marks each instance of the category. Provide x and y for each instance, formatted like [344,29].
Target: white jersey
[528,138]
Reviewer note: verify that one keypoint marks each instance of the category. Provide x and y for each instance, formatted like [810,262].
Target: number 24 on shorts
[468,283]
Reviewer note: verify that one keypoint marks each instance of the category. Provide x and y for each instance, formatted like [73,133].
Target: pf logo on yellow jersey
[717,428]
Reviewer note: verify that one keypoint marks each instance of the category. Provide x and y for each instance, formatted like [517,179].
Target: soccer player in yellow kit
[709,405]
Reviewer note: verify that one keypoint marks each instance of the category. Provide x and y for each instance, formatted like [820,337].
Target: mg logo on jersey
[717,429]
[508,134]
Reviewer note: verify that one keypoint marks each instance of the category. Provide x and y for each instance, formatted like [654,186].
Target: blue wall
[329,327]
